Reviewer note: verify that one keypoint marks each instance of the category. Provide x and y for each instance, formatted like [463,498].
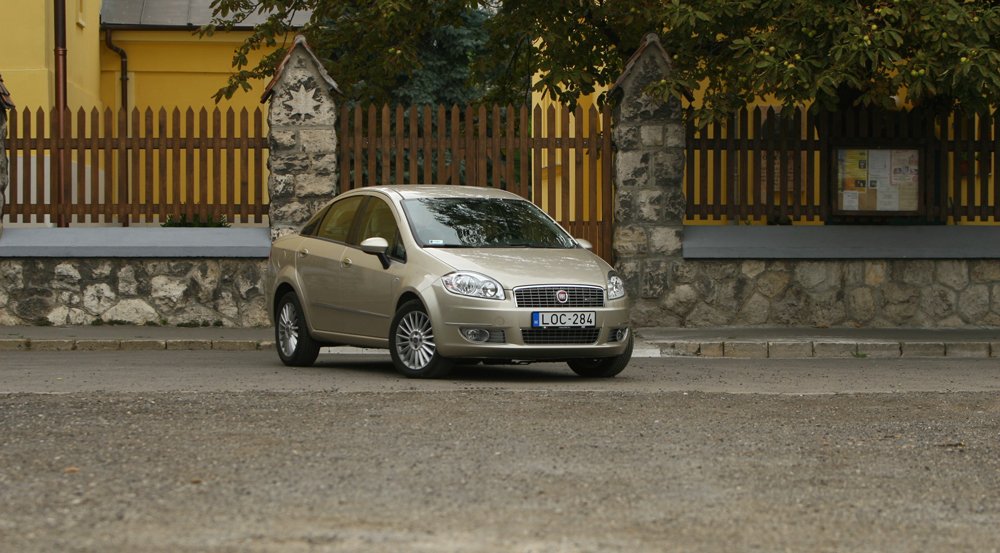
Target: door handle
[346,262]
[303,253]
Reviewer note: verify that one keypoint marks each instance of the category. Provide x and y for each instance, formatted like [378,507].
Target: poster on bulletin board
[878,180]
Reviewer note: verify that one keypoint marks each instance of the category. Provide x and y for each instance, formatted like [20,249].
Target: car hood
[525,266]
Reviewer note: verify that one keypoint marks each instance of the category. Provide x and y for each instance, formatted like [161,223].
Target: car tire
[411,344]
[296,347]
[603,367]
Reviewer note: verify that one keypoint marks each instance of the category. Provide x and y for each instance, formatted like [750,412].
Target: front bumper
[451,314]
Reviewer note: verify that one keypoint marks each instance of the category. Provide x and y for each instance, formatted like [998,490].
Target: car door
[369,288]
[319,266]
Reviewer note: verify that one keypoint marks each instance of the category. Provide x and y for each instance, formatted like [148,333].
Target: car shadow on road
[477,372]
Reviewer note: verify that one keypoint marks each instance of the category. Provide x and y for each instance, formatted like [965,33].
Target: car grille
[554,336]
[545,296]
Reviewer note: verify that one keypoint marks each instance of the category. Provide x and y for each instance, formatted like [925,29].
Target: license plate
[564,319]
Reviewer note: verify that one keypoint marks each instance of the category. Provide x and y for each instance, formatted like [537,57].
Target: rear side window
[310,228]
[337,223]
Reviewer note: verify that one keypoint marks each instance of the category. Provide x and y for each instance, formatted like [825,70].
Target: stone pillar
[5,104]
[649,173]
[302,116]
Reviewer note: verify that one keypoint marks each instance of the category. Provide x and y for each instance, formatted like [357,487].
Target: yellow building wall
[166,68]
[28,42]
[83,38]
[174,69]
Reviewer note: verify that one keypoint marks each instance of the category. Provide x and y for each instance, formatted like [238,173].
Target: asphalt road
[220,371]
[217,451]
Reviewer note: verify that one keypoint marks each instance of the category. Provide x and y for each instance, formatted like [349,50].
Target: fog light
[478,335]
[619,335]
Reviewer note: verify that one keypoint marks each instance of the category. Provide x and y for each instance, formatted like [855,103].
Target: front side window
[483,223]
[336,225]
[379,221]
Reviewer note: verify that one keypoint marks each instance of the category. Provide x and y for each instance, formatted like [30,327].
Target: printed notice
[850,200]
[888,198]
[879,168]
[854,169]
[906,177]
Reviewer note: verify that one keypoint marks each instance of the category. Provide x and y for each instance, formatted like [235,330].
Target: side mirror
[377,246]
[585,244]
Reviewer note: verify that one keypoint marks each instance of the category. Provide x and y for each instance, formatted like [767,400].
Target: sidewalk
[776,343]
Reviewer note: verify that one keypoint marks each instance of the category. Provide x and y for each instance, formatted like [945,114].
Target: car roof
[419,191]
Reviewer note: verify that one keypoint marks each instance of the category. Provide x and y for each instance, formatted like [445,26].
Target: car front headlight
[616,286]
[474,285]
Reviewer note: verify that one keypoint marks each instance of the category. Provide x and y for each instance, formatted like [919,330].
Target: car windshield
[483,223]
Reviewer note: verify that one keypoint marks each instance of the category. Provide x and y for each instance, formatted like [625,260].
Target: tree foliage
[938,55]
[941,54]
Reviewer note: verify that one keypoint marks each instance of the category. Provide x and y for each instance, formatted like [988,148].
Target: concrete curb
[826,349]
[27,344]
[743,348]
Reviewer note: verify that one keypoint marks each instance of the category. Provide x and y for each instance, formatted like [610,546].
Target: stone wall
[227,292]
[828,293]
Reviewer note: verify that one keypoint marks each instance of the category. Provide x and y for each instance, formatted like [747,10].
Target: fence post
[302,139]
[649,174]
[5,104]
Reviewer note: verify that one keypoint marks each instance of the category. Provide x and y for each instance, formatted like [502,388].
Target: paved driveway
[217,451]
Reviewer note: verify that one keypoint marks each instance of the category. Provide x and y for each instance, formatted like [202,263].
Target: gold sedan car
[439,274]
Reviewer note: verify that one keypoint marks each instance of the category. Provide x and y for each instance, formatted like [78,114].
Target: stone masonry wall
[226,292]
[829,293]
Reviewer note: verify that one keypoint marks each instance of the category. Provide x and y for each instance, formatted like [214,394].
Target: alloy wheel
[415,340]
[288,329]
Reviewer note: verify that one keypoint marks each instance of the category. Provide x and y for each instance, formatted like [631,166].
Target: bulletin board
[877,181]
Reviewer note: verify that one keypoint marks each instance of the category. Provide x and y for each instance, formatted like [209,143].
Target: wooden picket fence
[145,168]
[154,166]
[762,166]
[560,159]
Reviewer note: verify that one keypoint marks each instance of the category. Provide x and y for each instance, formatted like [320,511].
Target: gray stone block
[753,350]
[98,345]
[790,350]
[712,349]
[673,349]
[144,345]
[13,344]
[967,349]
[52,345]
[235,345]
[879,350]
[923,349]
[189,344]
[652,135]
[835,349]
